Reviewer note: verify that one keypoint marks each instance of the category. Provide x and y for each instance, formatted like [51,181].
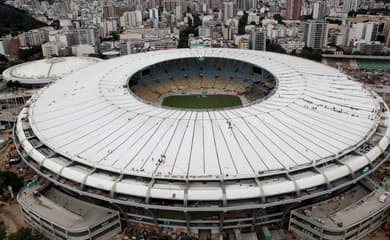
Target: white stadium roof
[46,70]
[316,115]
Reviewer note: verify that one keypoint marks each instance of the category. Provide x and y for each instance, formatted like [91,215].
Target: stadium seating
[191,74]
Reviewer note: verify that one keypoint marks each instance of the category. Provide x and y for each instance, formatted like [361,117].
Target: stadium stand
[192,74]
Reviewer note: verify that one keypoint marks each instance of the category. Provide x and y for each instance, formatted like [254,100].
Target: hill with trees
[13,20]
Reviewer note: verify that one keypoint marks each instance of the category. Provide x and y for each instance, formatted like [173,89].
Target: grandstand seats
[167,78]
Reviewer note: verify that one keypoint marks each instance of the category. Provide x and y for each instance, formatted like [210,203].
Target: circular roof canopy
[317,114]
[46,70]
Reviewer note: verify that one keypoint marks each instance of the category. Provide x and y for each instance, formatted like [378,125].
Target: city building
[352,215]
[87,35]
[366,31]
[4,46]
[258,39]
[50,49]
[316,34]
[228,10]
[61,216]
[350,5]
[367,47]
[245,4]
[319,10]
[131,19]
[293,9]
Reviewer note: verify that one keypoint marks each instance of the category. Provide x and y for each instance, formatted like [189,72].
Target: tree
[8,178]
[352,13]
[26,234]
[242,23]
[311,53]
[3,58]
[115,36]
[279,18]
[13,20]
[334,21]
[30,53]
[3,234]
[192,28]
[183,38]
[306,17]
[274,47]
[197,21]
[14,85]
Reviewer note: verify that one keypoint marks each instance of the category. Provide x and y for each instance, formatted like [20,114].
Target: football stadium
[196,140]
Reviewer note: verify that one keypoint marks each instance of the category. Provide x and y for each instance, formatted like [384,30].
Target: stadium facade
[317,133]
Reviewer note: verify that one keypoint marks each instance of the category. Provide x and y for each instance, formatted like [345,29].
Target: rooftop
[46,70]
[349,207]
[62,209]
[315,114]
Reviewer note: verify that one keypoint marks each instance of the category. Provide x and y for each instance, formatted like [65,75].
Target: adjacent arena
[44,71]
[302,132]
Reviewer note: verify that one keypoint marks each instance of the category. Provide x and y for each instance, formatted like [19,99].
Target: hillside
[13,20]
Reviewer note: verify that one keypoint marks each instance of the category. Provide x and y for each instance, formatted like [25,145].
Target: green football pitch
[202,101]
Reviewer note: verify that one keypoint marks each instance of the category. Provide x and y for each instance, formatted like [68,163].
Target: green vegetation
[31,53]
[242,23]
[306,17]
[334,21]
[13,84]
[202,102]
[274,47]
[279,18]
[373,11]
[23,234]
[192,28]
[8,178]
[13,20]
[4,63]
[311,53]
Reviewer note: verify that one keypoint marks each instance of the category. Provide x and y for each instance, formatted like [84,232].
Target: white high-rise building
[179,13]
[4,46]
[366,31]
[50,49]
[319,10]
[228,9]
[316,33]
[131,19]
[350,5]
[258,39]
[371,31]
[89,35]
[153,13]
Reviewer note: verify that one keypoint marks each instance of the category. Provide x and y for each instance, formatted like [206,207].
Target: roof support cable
[82,185]
[185,200]
[297,189]
[261,190]
[224,199]
[324,176]
[113,188]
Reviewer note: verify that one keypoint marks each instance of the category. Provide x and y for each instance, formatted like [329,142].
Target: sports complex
[202,139]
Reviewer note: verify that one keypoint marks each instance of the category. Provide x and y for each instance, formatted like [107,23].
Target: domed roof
[46,70]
